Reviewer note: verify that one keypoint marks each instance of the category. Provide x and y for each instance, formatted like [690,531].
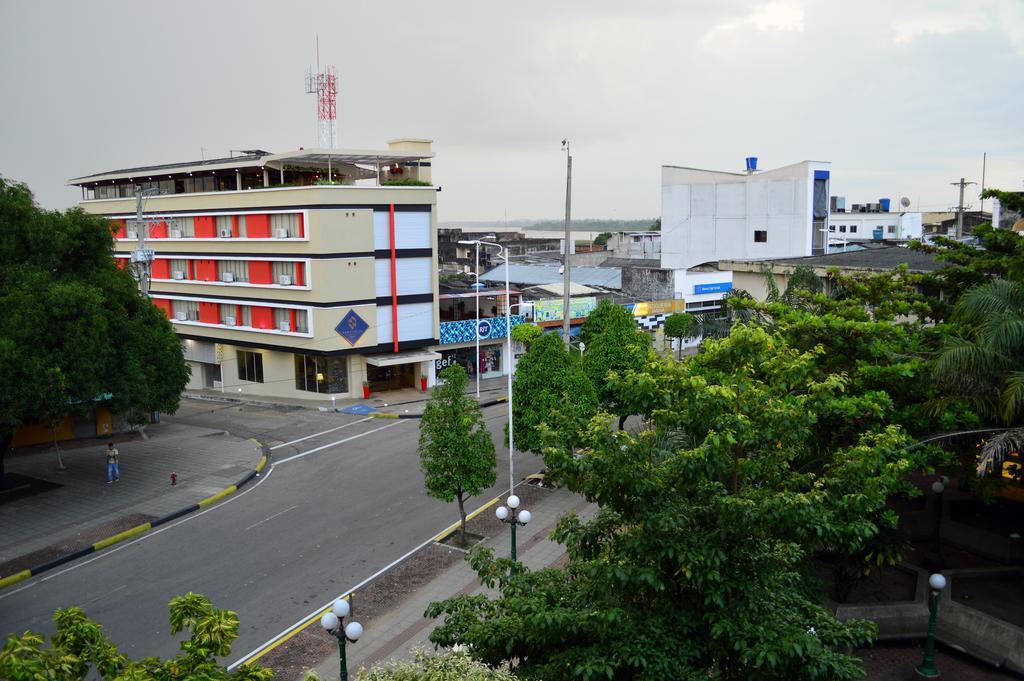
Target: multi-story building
[461,334]
[870,222]
[311,272]
[709,215]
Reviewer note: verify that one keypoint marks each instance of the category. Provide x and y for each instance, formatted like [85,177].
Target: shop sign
[467,331]
[720,287]
[552,309]
[352,327]
[659,307]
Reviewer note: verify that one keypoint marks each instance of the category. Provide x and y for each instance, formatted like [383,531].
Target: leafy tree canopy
[455,447]
[602,238]
[695,566]
[613,344]
[79,646]
[455,665]
[550,389]
[75,328]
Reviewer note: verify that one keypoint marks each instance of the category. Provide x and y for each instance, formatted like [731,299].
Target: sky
[902,97]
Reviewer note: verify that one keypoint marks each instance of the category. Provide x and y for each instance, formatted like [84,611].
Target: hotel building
[311,272]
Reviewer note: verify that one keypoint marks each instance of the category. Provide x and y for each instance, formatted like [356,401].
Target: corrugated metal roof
[532,275]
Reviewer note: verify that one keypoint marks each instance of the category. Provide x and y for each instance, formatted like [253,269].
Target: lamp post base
[927,671]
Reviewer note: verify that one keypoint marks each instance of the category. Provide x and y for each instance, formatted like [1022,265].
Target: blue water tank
[751,163]
[885,204]
[877,233]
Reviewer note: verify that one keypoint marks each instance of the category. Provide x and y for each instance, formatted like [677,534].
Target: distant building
[635,245]
[748,275]
[943,223]
[870,222]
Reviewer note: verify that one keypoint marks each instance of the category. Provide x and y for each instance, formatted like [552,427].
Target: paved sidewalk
[393,635]
[206,461]
[405,401]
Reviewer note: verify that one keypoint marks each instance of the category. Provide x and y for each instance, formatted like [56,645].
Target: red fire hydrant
[174,479]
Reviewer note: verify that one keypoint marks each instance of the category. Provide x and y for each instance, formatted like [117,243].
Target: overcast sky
[901,96]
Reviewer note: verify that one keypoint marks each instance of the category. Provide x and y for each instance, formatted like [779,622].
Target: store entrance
[392,377]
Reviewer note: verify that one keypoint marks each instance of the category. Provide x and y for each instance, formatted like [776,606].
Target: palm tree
[986,367]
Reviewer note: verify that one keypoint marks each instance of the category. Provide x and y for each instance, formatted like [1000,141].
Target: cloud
[782,16]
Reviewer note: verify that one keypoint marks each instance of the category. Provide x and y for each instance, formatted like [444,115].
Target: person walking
[113,473]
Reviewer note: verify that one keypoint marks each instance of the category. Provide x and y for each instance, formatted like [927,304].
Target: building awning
[402,358]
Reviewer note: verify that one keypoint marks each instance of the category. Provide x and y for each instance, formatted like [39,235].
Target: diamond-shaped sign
[352,327]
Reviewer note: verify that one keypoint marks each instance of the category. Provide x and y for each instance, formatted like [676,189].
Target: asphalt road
[350,502]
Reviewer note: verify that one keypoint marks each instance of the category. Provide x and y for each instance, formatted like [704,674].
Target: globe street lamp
[927,668]
[934,556]
[507,514]
[332,622]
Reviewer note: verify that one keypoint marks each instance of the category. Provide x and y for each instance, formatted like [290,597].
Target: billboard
[552,309]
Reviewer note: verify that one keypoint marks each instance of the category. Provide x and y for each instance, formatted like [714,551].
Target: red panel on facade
[120,231]
[235,232]
[164,305]
[302,225]
[191,269]
[257,226]
[291,320]
[161,269]
[300,274]
[259,272]
[209,313]
[262,317]
[206,270]
[121,263]
[158,230]
[205,226]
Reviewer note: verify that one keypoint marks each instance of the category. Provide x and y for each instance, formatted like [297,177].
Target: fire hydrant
[174,479]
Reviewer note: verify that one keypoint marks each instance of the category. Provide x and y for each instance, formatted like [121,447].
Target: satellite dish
[905,202]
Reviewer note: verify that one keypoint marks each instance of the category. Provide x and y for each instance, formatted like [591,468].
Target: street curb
[392,415]
[139,529]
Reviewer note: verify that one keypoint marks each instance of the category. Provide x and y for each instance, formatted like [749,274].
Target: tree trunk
[60,459]
[462,517]
[680,347]
[622,421]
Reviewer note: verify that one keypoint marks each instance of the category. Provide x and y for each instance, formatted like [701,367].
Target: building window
[328,375]
[853,229]
[842,228]
[892,229]
[236,270]
[831,228]
[761,236]
[250,366]
[285,223]
[283,273]
[185,310]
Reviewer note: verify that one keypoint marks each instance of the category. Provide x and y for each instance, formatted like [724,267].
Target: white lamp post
[332,623]
[507,514]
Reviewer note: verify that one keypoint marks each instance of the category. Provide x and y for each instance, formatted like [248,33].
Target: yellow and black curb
[390,415]
[139,529]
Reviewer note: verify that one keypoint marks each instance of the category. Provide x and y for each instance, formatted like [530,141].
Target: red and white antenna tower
[325,84]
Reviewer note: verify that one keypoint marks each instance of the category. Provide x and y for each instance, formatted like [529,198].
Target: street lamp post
[507,514]
[927,668]
[934,556]
[333,624]
[503,254]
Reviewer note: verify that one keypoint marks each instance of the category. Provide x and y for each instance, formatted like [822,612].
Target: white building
[869,222]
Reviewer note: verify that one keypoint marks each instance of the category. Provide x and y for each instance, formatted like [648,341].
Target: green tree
[613,344]
[656,225]
[985,365]
[75,333]
[602,238]
[550,390]
[79,647]
[695,566]
[456,450]
[526,333]
[680,326]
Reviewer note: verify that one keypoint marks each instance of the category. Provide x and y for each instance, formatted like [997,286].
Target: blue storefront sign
[720,287]
[467,331]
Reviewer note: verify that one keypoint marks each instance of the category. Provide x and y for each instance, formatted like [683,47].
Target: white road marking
[339,442]
[291,508]
[148,535]
[323,432]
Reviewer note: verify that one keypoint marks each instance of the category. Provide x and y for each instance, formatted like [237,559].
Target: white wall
[907,226]
[708,216]
[686,283]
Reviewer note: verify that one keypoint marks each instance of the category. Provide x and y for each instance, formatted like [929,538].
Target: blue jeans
[112,472]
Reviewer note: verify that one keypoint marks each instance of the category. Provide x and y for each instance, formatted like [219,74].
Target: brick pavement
[205,460]
[395,634]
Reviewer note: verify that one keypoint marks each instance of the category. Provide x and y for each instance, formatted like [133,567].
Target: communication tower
[324,83]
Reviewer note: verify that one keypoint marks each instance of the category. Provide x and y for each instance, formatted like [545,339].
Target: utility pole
[568,243]
[984,160]
[142,257]
[960,207]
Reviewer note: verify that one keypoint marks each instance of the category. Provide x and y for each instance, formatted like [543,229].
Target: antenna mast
[324,83]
